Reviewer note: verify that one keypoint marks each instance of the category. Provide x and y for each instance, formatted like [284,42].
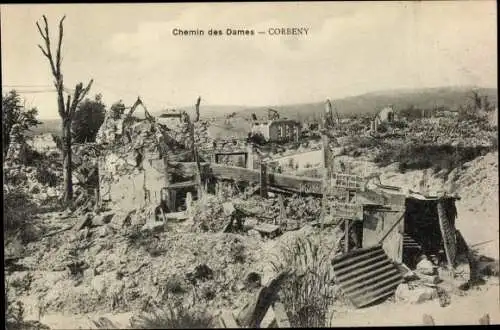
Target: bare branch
[86,90]
[47,52]
[58,54]
[68,102]
[44,52]
[78,96]
[41,32]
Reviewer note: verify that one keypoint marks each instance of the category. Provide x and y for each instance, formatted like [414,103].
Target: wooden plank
[171,115]
[231,153]
[346,210]
[266,228]
[298,184]
[180,185]
[280,315]
[448,234]
[228,320]
[253,313]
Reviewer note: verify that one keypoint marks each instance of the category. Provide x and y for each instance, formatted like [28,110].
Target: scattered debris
[268,230]
[407,292]
[84,221]
[200,273]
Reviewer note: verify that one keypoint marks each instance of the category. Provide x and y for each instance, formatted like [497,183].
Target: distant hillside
[428,98]
[47,126]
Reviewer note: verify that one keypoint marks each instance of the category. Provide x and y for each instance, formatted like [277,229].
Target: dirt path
[465,310]
[84,321]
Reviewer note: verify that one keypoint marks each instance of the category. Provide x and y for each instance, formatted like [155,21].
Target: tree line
[18,119]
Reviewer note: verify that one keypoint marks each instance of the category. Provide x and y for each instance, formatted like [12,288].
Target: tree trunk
[68,182]
[6,142]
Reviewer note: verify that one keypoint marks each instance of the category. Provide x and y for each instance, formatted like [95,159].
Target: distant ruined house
[493,118]
[279,130]
[386,115]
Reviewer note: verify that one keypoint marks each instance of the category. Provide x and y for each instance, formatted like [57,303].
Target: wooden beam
[326,160]
[281,316]
[263,180]
[231,153]
[253,313]
[291,183]
[228,321]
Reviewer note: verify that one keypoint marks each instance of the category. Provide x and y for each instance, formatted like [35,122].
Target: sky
[351,48]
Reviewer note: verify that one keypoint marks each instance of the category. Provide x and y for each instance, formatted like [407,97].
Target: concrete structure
[386,115]
[279,130]
[299,161]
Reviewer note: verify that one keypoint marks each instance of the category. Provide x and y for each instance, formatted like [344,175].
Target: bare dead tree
[66,110]
[197,109]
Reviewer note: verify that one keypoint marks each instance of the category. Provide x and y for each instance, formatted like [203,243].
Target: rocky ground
[118,267]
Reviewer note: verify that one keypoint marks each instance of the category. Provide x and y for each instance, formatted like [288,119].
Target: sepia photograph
[284,164]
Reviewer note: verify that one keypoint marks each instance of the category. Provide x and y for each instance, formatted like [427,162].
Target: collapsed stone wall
[129,182]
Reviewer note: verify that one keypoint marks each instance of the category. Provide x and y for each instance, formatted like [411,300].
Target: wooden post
[263,180]
[346,235]
[249,158]
[282,210]
[195,156]
[172,194]
[326,159]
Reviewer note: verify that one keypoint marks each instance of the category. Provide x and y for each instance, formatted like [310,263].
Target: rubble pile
[44,143]
[40,178]
[422,284]
[476,178]
[208,214]
[122,133]
[466,133]
[111,129]
[103,270]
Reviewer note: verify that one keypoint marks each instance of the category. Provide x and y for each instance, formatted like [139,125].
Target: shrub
[238,252]
[209,214]
[175,285]
[306,295]
[14,319]
[18,209]
[256,138]
[423,156]
[174,318]
[47,177]
[15,315]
